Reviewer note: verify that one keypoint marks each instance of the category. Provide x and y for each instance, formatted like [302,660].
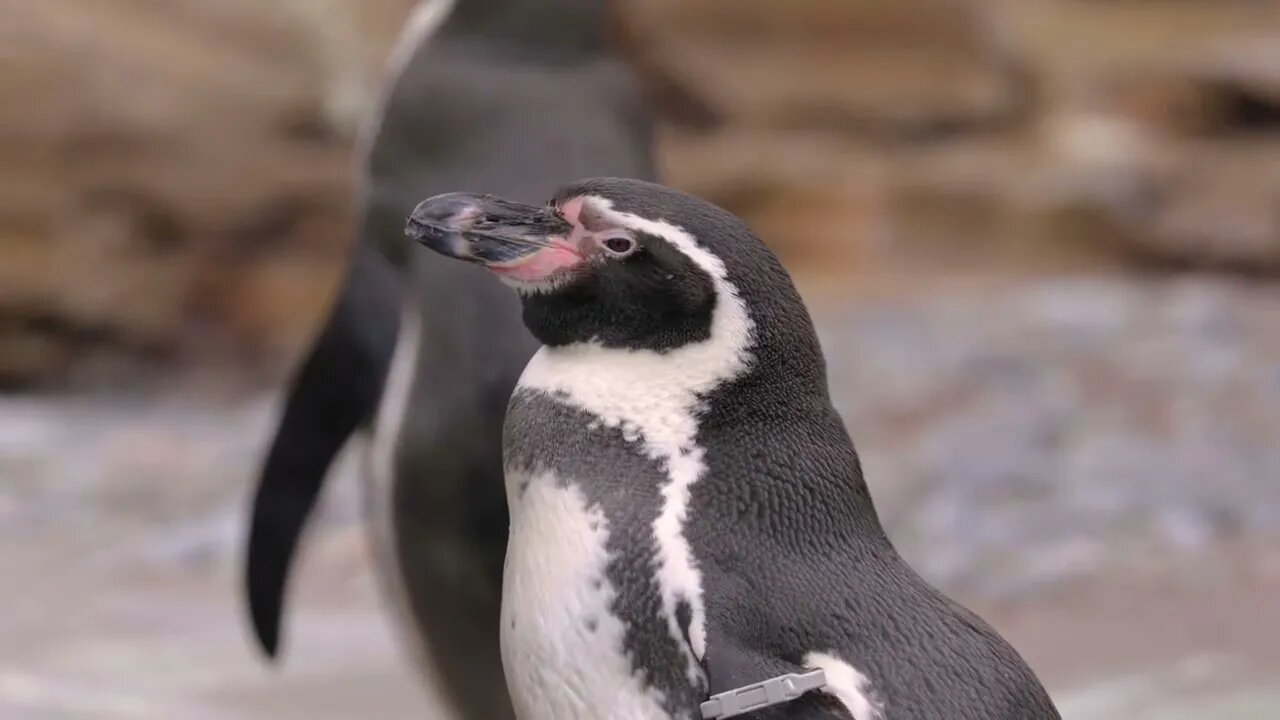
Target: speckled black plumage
[792,554]
[617,478]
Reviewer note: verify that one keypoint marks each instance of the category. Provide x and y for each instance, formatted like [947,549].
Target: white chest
[562,649]
[653,399]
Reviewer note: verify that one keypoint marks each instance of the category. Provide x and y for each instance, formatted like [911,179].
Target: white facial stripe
[656,396]
[848,685]
[562,648]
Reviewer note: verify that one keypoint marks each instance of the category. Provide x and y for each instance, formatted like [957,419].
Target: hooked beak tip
[442,214]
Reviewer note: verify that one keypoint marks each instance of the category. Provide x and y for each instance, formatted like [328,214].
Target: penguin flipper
[336,390]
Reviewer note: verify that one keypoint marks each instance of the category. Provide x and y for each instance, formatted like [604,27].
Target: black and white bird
[688,514]
[505,96]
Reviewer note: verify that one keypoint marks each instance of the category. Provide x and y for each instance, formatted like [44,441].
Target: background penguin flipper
[335,392]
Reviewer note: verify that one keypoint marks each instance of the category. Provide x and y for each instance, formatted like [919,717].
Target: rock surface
[176,183]
[168,176]
[1059,133]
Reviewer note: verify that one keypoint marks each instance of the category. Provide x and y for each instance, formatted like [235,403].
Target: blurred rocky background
[1041,239]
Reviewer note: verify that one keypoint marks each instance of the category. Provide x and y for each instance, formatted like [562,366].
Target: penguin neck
[781,403]
[803,462]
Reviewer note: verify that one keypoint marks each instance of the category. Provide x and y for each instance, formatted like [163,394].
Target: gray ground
[1092,465]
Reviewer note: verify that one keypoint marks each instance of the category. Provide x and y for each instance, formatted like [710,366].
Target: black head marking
[655,298]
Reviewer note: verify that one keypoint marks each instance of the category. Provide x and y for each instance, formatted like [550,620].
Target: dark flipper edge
[336,391]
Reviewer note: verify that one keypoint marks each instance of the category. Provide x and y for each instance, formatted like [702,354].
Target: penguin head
[628,264]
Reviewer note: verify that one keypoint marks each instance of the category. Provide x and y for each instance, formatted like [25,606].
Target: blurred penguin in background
[509,97]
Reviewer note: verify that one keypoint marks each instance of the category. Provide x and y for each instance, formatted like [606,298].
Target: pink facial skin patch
[539,266]
[562,254]
[570,211]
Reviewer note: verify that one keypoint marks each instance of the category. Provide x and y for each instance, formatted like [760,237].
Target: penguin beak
[507,237]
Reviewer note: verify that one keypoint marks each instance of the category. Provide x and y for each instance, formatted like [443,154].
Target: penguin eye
[618,245]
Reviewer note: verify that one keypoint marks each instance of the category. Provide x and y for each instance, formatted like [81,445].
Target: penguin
[505,96]
[688,513]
